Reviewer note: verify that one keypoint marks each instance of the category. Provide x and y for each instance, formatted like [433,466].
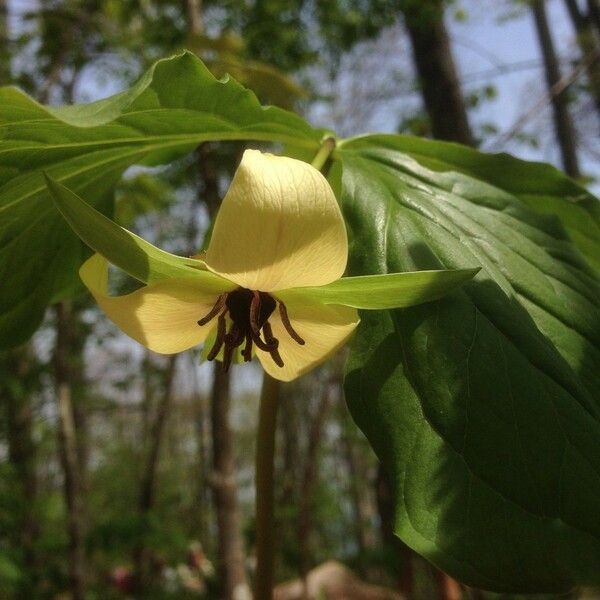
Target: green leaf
[393,290]
[484,405]
[543,187]
[124,249]
[174,107]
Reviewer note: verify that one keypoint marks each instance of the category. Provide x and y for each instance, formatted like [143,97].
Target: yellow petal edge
[279,226]
[324,328]
[162,316]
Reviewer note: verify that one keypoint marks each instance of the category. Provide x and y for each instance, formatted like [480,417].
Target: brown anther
[288,326]
[247,351]
[254,312]
[214,311]
[271,341]
[249,312]
[221,330]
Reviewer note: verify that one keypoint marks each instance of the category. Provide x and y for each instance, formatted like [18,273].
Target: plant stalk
[265,452]
[265,455]
[322,156]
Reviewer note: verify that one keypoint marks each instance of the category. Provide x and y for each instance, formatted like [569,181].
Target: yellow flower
[279,227]
[269,284]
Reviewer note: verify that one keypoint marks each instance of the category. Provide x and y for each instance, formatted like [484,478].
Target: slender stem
[265,452]
[322,156]
[265,455]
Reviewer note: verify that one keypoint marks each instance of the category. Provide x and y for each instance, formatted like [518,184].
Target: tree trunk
[594,12]
[16,391]
[230,563]
[147,496]
[201,511]
[5,74]
[587,39]
[310,476]
[193,11]
[359,493]
[68,452]
[230,544]
[436,71]
[565,132]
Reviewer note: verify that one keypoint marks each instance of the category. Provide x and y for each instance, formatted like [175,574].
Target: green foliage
[395,290]
[174,107]
[483,406]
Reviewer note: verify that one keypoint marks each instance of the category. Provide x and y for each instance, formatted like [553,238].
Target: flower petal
[279,226]
[162,316]
[324,328]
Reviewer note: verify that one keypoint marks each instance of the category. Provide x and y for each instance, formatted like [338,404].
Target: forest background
[126,473]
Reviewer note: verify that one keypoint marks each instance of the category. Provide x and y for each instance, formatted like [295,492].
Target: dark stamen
[247,351]
[274,352]
[263,345]
[288,326]
[214,311]
[254,312]
[249,312]
[232,340]
[219,339]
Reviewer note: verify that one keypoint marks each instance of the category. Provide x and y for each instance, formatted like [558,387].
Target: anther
[255,311]
[249,312]
[247,351]
[266,346]
[273,351]
[214,311]
[219,339]
[287,324]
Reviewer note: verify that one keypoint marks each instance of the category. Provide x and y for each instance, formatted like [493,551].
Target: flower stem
[322,156]
[265,453]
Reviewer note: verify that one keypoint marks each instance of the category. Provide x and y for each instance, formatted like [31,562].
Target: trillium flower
[270,283]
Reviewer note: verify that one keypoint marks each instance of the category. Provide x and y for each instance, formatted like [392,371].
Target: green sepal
[124,249]
[393,290]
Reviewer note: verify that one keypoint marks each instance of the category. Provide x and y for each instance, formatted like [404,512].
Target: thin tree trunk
[288,474]
[310,477]
[201,511]
[565,133]
[15,395]
[5,74]
[68,452]
[230,543]
[436,70]
[359,494]
[148,486]
[193,11]
[594,11]
[587,39]
[231,555]
[230,564]
[148,482]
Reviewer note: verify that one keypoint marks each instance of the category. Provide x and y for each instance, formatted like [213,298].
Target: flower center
[249,312]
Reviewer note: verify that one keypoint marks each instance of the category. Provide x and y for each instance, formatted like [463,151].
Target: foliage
[488,397]
[483,405]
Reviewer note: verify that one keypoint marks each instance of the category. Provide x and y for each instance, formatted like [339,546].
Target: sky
[493,44]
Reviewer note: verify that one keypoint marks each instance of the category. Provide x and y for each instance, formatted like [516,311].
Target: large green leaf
[543,187]
[176,105]
[484,406]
